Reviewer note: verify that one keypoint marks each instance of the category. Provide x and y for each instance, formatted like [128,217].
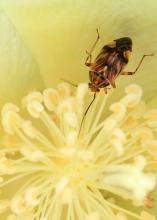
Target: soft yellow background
[59,31]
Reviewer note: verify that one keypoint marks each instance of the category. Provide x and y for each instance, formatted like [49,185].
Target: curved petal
[59,32]
[19,72]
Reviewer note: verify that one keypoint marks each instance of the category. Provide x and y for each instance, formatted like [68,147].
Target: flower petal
[67,30]
[19,72]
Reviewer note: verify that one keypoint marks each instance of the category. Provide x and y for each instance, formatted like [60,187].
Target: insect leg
[87,112]
[106,88]
[131,73]
[89,57]
[104,85]
[64,80]
[112,82]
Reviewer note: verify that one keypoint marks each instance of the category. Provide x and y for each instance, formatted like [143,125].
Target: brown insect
[108,65]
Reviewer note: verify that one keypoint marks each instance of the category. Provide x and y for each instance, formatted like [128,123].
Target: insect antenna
[86,113]
[67,81]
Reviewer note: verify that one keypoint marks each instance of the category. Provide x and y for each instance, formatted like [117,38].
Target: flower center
[75,176]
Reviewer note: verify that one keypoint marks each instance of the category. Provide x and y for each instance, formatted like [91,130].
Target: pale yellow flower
[72,175]
[106,172]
